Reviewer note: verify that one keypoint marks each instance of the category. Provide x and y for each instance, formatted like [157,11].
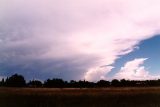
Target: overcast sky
[80,39]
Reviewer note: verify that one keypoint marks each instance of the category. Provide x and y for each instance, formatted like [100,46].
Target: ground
[101,97]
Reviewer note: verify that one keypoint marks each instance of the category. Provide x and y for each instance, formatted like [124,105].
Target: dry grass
[104,97]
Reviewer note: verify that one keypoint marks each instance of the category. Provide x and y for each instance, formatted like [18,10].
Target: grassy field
[104,97]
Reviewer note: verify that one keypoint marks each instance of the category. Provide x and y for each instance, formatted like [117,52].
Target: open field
[104,97]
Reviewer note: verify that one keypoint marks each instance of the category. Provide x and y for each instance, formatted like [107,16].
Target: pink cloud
[134,70]
[105,29]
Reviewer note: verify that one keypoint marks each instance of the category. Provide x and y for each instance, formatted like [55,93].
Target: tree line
[19,81]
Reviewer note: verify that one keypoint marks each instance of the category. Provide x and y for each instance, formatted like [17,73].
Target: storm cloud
[72,39]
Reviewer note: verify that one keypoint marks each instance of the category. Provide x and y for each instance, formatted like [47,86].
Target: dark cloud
[38,68]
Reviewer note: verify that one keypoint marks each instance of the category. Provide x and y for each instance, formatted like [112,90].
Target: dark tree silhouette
[19,81]
[73,84]
[115,83]
[123,83]
[2,83]
[54,83]
[103,83]
[15,81]
[35,84]
[82,84]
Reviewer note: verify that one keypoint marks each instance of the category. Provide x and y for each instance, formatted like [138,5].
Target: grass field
[104,97]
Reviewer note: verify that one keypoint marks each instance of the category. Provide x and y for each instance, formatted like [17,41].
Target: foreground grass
[105,97]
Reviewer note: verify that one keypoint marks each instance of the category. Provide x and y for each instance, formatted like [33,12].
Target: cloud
[87,34]
[133,70]
[98,73]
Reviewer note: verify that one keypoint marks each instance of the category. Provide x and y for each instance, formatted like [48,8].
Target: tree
[54,83]
[15,81]
[35,83]
[103,83]
[115,83]
[2,82]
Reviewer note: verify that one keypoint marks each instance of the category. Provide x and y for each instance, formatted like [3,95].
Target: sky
[80,39]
